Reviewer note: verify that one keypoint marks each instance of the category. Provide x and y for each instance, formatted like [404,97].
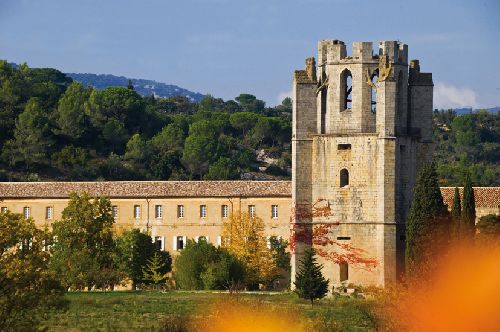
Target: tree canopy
[428,224]
[84,250]
[27,286]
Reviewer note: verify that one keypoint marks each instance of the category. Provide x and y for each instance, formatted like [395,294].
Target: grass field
[144,311]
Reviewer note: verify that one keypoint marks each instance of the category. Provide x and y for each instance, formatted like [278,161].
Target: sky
[227,47]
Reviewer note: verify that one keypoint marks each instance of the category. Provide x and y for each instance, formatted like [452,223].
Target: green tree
[70,113]
[192,262]
[225,272]
[115,134]
[250,103]
[84,253]
[265,130]
[135,249]
[48,84]
[468,210]
[72,160]
[154,270]
[115,103]
[279,250]
[309,281]
[170,138]
[456,214]
[222,169]
[32,138]
[27,286]
[138,155]
[243,121]
[427,227]
[200,148]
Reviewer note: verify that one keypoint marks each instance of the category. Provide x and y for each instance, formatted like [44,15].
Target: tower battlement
[334,50]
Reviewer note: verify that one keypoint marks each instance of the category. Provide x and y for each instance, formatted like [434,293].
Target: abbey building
[362,128]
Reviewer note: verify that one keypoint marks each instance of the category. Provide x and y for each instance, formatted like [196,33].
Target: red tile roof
[126,189]
[485,197]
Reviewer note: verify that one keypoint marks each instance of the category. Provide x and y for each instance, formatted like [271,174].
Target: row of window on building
[203,211]
[49,211]
[179,241]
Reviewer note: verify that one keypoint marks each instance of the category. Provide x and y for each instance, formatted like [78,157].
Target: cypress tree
[456,214]
[427,226]
[309,281]
[468,209]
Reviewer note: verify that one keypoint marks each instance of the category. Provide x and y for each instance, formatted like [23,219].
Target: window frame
[179,239]
[251,210]
[158,211]
[224,211]
[49,216]
[27,212]
[203,211]
[180,211]
[274,211]
[137,212]
[115,211]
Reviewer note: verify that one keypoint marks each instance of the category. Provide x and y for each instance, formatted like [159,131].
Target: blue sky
[225,47]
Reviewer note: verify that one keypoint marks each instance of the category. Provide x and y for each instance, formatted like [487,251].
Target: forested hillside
[467,143]
[52,128]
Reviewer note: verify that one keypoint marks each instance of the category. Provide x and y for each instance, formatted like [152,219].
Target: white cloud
[449,96]
[283,95]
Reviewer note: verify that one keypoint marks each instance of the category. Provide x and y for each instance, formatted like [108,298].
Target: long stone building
[173,211]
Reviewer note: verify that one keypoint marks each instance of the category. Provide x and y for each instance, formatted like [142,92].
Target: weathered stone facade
[361,129]
[136,203]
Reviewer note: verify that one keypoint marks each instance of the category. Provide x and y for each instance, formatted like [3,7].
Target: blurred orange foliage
[461,292]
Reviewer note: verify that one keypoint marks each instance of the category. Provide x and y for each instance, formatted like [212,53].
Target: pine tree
[468,209]
[456,214]
[153,270]
[427,227]
[309,281]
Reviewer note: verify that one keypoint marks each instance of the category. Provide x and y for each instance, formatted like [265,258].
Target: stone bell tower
[362,127]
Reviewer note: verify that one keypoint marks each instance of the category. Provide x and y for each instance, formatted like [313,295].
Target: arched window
[374,79]
[344,178]
[323,93]
[399,96]
[347,89]
[344,271]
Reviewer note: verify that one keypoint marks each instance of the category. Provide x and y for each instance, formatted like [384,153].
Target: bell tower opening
[374,79]
[346,82]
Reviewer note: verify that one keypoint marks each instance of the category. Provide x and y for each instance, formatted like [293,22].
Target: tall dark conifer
[309,281]
[427,228]
[456,214]
[468,209]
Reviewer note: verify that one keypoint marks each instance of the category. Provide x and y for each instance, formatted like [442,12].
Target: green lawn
[142,311]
